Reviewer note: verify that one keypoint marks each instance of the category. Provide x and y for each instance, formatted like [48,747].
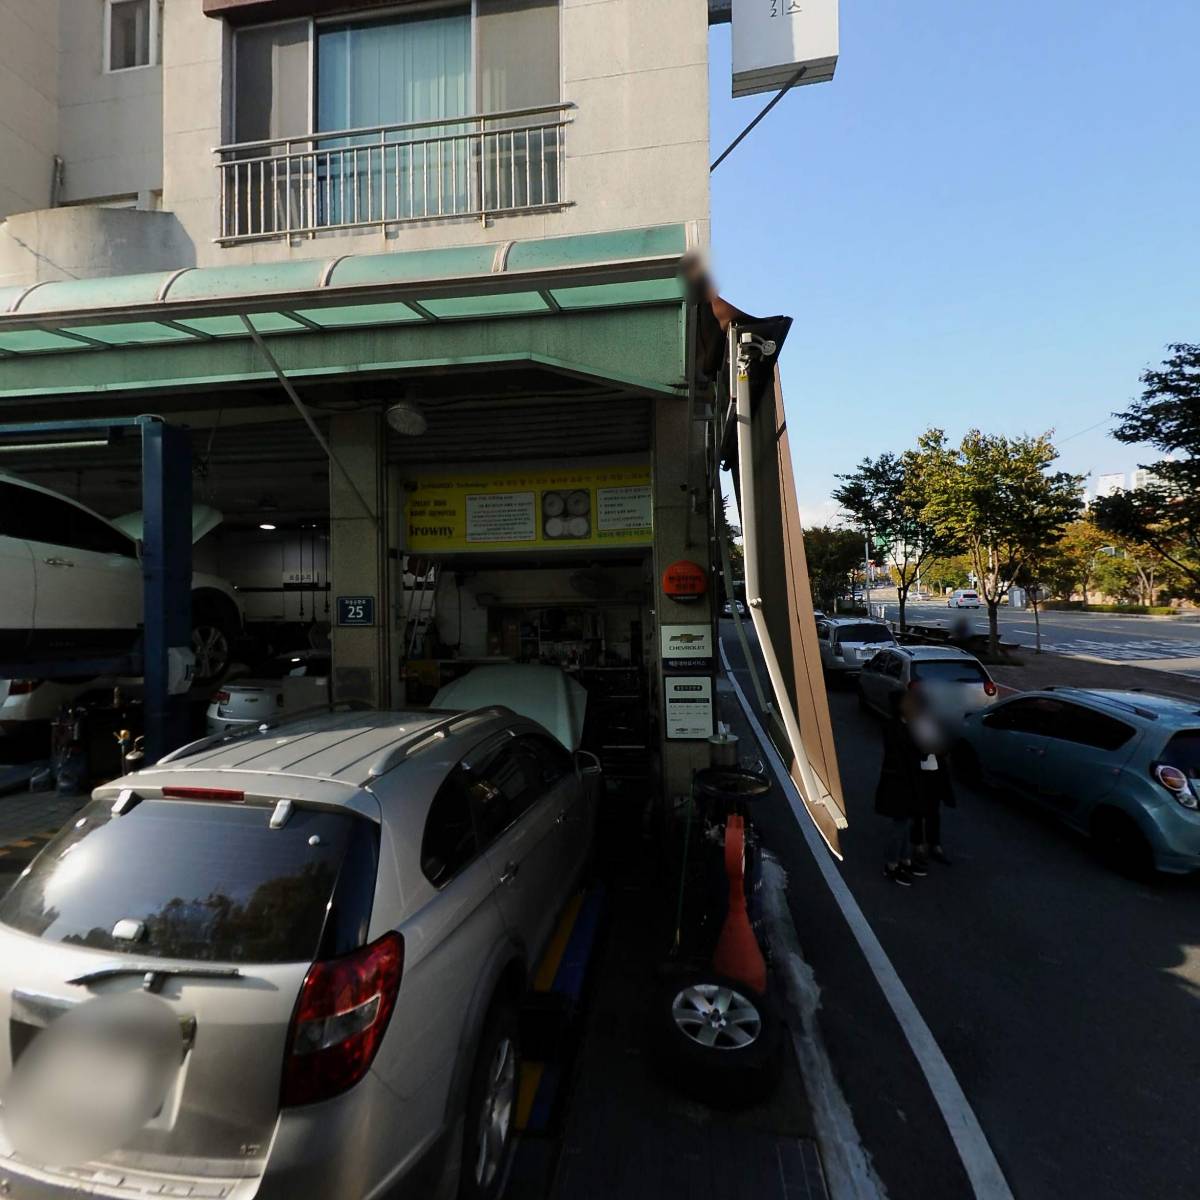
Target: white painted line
[846,1161]
[978,1158]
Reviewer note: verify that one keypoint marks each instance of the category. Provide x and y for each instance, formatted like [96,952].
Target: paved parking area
[1064,997]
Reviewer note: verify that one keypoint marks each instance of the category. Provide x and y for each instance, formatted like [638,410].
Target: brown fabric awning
[783,604]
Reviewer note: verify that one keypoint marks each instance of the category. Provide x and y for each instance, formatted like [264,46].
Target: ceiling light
[267,527]
[407,419]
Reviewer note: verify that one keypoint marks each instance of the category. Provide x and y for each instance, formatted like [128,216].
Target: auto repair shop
[435,459]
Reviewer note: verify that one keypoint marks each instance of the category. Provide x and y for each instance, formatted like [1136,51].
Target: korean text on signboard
[773,39]
[536,509]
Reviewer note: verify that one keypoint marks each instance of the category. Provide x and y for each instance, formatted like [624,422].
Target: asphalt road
[1066,998]
[1161,641]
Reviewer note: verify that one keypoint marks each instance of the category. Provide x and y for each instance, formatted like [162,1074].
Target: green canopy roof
[48,329]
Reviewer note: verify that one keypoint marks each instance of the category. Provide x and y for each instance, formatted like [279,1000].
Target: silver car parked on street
[340,916]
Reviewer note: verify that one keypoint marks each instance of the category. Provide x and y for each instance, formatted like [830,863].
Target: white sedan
[71,579]
[289,685]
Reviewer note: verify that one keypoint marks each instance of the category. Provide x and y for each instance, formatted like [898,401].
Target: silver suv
[846,643]
[340,917]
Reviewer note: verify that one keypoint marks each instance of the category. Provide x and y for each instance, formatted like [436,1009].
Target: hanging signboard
[773,39]
[560,509]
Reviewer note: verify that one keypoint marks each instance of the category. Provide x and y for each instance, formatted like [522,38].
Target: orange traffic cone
[737,955]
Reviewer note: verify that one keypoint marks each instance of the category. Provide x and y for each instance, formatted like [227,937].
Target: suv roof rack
[430,735]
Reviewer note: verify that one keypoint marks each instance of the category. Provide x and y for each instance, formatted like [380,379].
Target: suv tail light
[221,698]
[1176,782]
[341,1016]
[23,687]
[989,688]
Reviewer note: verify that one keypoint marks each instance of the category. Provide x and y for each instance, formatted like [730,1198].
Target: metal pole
[867,570]
[302,409]
[741,137]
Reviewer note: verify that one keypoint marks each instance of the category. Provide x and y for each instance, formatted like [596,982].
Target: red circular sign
[685,581]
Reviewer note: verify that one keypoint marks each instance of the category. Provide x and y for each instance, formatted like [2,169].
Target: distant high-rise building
[1143,478]
[1110,484]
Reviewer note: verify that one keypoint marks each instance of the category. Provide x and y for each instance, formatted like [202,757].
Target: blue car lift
[166,574]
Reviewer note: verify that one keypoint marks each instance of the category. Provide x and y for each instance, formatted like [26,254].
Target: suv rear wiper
[154,974]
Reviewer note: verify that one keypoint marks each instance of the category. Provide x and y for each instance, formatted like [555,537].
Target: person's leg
[898,861]
[920,837]
[933,833]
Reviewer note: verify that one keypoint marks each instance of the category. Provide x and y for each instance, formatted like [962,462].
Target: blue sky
[991,217]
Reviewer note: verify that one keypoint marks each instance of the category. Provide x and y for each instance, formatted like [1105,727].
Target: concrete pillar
[681,531]
[359,558]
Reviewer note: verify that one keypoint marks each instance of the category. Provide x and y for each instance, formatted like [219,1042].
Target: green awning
[174,329]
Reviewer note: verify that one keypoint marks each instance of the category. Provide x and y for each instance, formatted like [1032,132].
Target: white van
[964,598]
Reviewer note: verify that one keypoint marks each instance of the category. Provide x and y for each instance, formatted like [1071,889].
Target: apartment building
[144,135]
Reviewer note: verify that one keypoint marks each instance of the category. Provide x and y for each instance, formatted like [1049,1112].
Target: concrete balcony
[385,176]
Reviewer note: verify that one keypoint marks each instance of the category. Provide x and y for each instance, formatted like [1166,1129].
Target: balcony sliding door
[268,184]
[517,51]
[389,73]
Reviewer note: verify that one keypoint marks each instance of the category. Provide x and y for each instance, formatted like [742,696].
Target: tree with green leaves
[999,499]
[1165,513]
[886,497]
[834,555]
[1072,566]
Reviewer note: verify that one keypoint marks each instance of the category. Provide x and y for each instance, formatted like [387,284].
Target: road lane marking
[978,1158]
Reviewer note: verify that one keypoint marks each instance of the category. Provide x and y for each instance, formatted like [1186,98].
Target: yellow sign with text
[556,509]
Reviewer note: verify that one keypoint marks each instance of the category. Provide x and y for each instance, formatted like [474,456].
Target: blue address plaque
[356,610]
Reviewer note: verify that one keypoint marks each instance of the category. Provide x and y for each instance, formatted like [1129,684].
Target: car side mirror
[587,764]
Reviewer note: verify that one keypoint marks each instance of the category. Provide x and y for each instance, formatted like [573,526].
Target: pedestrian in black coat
[898,795]
[934,788]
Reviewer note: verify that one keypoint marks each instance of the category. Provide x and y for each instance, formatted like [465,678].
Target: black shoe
[918,867]
[900,875]
[939,855]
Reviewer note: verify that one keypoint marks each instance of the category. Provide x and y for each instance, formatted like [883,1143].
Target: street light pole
[867,570]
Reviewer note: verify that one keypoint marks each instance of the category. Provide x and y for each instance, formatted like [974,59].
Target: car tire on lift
[729,1072]
[491,1117]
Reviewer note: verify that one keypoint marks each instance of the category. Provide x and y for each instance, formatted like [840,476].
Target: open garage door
[777,586]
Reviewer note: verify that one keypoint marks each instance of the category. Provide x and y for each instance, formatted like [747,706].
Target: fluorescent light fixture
[267,527]
[20,447]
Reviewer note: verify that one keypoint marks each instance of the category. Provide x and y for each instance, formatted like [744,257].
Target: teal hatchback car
[1121,767]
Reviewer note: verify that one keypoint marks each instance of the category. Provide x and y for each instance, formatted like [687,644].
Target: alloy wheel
[496,1113]
[211,648]
[716,1016]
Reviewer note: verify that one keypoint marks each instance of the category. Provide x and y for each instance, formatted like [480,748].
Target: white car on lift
[71,579]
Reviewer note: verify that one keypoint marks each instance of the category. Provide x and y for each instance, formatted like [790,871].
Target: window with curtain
[388,73]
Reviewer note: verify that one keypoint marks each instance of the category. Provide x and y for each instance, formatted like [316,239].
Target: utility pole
[867,570]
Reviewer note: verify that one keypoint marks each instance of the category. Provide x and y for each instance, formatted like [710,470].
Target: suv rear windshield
[969,595]
[864,633]
[949,670]
[1183,751]
[209,882]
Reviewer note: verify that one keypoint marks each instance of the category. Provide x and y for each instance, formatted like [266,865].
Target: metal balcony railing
[385,175]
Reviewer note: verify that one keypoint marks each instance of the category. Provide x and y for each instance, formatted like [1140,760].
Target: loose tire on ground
[716,1040]
[491,1107]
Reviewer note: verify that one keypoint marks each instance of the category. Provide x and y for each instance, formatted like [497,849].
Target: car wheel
[212,644]
[1121,845]
[491,1107]
[718,1040]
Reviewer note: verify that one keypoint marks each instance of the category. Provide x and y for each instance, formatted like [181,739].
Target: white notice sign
[773,39]
[689,702]
[502,517]
[623,509]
